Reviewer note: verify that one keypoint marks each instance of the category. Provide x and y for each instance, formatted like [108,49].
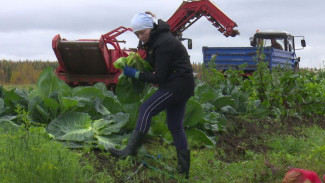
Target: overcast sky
[28,26]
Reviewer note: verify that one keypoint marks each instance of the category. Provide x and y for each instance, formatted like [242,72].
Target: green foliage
[78,128]
[55,104]
[287,152]
[89,117]
[197,138]
[30,156]
[316,139]
[131,90]
[277,93]
[12,98]
[289,93]
[92,117]
[288,144]
[23,117]
[211,76]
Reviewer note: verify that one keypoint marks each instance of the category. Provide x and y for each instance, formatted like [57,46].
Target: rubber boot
[133,147]
[184,159]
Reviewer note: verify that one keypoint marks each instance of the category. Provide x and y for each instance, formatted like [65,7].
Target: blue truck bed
[233,57]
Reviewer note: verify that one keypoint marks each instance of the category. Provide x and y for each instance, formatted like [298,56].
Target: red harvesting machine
[88,61]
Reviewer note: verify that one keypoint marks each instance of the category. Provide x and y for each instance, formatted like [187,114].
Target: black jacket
[170,60]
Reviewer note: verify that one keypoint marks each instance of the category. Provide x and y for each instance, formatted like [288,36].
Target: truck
[283,54]
[88,61]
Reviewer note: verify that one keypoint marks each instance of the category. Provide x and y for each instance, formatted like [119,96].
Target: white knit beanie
[141,21]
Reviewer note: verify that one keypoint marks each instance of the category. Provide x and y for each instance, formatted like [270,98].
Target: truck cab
[285,39]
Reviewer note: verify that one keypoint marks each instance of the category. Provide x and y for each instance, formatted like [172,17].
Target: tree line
[23,72]
[27,72]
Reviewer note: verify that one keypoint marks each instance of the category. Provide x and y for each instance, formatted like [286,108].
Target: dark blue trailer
[233,57]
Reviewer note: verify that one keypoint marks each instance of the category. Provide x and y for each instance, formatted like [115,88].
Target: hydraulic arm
[191,11]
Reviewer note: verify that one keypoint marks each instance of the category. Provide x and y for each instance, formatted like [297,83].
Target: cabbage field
[90,119]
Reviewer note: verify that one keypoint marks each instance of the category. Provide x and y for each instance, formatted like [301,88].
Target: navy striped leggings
[175,108]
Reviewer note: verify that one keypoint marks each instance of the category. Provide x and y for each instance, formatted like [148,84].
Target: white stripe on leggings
[146,113]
